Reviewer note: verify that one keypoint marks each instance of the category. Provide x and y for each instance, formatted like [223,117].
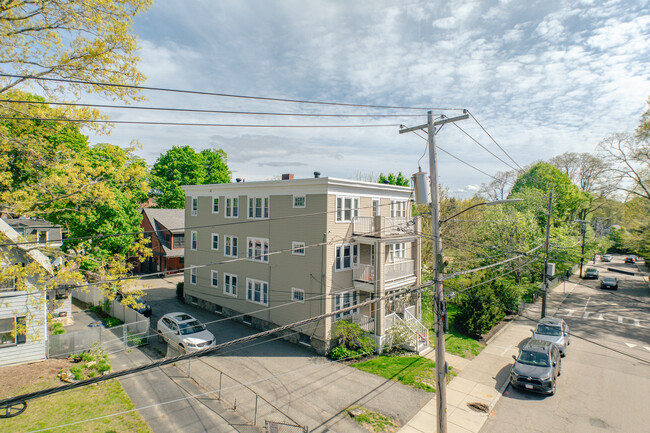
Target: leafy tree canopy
[391,179]
[182,165]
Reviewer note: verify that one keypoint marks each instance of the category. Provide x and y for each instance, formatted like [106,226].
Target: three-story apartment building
[276,252]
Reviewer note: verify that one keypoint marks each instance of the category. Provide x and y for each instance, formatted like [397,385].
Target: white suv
[186,331]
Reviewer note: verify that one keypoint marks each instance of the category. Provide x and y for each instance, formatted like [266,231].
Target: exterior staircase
[418,334]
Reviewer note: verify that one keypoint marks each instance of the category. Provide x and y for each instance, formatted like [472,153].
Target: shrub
[342,352]
[77,372]
[350,335]
[57,328]
[180,287]
[478,311]
[112,321]
[103,366]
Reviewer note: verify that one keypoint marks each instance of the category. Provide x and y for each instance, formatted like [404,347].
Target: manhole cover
[479,407]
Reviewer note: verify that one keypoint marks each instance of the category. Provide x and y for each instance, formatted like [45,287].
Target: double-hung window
[215,204]
[194,240]
[230,246]
[12,331]
[298,295]
[193,275]
[232,207]
[258,249]
[195,206]
[214,280]
[178,241]
[299,201]
[258,207]
[215,241]
[346,208]
[397,251]
[345,300]
[397,208]
[298,248]
[257,291]
[230,284]
[376,203]
[347,256]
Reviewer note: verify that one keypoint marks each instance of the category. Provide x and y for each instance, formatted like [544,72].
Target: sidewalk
[484,378]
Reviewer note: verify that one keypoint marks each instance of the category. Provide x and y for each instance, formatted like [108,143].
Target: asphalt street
[605,382]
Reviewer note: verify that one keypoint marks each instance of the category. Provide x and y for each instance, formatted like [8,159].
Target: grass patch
[412,370]
[373,421]
[78,405]
[456,342]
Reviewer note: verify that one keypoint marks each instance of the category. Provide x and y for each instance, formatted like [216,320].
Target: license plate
[528,386]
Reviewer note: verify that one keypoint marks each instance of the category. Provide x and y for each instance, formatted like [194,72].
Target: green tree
[391,179]
[181,165]
[77,40]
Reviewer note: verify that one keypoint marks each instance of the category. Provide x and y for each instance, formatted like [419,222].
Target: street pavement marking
[606,317]
[586,314]
[620,319]
[600,317]
[647,348]
[636,322]
[630,345]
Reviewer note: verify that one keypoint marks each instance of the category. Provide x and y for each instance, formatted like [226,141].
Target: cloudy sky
[542,77]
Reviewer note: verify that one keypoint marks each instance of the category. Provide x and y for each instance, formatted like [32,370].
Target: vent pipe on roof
[239,179]
[287,176]
[317,174]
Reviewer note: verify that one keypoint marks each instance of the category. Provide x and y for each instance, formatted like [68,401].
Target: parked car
[629,259]
[185,330]
[554,330]
[141,307]
[609,283]
[591,274]
[537,367]
[606,258]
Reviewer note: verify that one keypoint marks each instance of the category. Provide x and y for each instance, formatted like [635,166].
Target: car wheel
[161,339]
[559,370]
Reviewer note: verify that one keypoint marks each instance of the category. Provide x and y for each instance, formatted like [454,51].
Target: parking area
[309,388]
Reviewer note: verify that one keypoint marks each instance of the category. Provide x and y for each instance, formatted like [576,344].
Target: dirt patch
[25,376]
[486,337]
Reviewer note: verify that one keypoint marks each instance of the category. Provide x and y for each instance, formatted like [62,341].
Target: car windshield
[533,358]
[548,330]
[591,270]
[609,280]
[191,327]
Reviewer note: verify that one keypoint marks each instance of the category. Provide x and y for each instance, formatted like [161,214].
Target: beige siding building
[277,252]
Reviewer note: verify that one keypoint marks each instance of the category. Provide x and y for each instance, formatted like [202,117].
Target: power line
[486,149]
[196,110]
[225,95]
[446,277]
[216,125]
[495,142]
[455,292]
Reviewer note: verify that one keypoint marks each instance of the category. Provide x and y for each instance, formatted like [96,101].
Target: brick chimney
[287,176]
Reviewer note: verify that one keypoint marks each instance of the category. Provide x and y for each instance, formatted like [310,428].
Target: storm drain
[479,407]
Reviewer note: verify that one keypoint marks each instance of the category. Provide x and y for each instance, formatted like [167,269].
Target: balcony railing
[382,226]
[392,271]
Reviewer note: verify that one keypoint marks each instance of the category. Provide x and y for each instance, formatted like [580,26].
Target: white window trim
[214,273]
[225,286]
[218,204]
[193,274]
[372,210]
[193,200]
[212,242]
[295,245]
[262,283]
[354,258]
[299,196]
[264,256]
[293,297]
[266,209]
[229,204]
[225,246]
[338,303]
[397,251]
[398,207]
[354,210]
[194,240]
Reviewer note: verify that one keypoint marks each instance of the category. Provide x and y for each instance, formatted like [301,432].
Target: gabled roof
[26,249]
[170,219]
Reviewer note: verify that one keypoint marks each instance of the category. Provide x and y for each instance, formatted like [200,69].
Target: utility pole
[548,232]
[582,254]
[439,301]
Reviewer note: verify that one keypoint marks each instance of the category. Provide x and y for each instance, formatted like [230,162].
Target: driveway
[309,388]
[600,389]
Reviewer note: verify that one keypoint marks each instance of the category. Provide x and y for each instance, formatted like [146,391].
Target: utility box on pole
[421,188]
[550,269]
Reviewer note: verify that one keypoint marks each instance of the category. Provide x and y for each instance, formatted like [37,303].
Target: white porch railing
[394,225]
[401,269]
[363,225]
[366,323]
[364,272]
[418,333]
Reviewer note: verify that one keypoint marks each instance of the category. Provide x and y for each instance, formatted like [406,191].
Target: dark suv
[537,367]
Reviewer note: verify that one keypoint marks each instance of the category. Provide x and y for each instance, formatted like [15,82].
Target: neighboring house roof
[27,249]
[30,227]
[172,220]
